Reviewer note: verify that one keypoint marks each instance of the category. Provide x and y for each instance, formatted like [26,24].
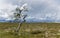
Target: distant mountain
[31,20]
[2,20]
[40,20]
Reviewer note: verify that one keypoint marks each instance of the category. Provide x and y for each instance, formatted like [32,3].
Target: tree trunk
[18,28]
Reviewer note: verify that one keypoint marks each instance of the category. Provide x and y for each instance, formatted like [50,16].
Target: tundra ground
[30,30]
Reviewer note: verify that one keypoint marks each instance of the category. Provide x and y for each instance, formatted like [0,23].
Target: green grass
[30,30]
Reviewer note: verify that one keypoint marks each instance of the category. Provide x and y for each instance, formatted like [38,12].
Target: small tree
[18,15]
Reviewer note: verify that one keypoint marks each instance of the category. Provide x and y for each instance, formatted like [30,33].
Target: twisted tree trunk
[18,28]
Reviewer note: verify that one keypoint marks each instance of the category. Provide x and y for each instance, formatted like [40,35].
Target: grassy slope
[31,30]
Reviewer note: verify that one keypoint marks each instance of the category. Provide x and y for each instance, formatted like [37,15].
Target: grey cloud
[40,8]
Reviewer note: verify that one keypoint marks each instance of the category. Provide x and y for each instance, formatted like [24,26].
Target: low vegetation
[30,30]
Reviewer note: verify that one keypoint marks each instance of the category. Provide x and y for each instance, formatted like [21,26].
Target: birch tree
[18,15]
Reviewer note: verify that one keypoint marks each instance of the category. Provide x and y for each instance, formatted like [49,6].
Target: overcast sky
[40,9]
